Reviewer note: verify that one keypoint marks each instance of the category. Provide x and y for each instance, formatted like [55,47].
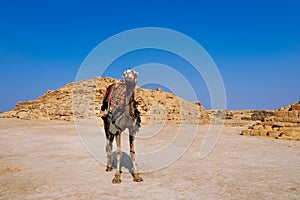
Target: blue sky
[255,44]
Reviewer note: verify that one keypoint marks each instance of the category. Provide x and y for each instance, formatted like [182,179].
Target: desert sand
[42,159]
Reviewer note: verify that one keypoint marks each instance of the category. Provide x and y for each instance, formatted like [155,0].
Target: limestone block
[245,132]
[295,106]
[293,113]
[272,133]
[282,114]
[22,115]
[267,127]
[254,132]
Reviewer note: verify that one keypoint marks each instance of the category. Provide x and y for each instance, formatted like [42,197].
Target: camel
[121,113]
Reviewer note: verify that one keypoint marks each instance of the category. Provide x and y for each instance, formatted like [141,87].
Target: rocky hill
[82,100]
[284,124]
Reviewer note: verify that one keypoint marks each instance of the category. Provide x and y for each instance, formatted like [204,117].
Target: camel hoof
[117,179]
[108,169]
[137,178]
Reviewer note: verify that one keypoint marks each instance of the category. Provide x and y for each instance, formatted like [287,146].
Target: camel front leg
[136,176]
[117,178]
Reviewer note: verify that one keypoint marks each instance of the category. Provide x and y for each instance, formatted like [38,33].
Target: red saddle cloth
[117,100]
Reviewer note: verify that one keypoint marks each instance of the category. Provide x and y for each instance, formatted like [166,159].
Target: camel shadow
[125,162]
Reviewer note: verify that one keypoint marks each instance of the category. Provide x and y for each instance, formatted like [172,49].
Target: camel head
[130,77]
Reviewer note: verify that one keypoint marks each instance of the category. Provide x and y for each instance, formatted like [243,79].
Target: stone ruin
[83,100]
[283,124]
[238,117]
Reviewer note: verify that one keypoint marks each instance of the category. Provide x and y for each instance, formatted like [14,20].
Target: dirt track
[46,160]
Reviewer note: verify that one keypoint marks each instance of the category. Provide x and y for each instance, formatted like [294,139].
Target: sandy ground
[46,160]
